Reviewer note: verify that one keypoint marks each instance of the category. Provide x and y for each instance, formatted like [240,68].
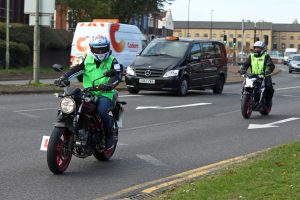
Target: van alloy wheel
[183,87]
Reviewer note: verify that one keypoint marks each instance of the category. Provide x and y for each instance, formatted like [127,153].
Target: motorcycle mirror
[58,67]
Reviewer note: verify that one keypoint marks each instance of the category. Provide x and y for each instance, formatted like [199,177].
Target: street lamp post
[211,17]
[188,23]
[7,35]
[242,46]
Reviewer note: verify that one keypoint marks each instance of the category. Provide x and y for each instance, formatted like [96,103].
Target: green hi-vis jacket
[258,64]
[91,72]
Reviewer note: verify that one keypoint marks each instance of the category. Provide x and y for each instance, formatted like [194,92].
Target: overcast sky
[276,11]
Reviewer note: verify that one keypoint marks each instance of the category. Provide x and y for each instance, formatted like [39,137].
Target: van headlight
[67,105]
[130,71]
[171,73]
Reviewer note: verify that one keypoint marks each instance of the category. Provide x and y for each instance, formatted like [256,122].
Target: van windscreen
[166,48]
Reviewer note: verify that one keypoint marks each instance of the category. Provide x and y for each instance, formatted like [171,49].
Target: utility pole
[188,24]
[7,34]
[211,22]
[36,44]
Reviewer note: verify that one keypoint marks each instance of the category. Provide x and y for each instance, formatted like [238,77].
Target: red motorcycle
[79,130]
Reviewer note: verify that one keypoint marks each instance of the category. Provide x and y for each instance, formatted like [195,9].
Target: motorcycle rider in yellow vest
[260,63]
[95,64]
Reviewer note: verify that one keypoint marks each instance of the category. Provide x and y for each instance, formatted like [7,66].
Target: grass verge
[274,174]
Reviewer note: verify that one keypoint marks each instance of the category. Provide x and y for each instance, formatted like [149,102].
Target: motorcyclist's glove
[62,82]
[242,72]
[104,87]
[267,73]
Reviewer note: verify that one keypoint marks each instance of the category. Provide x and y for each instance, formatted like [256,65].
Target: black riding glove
[242,72]
[62,82]
[104,87]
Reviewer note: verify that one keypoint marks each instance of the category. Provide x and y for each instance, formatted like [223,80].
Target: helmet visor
[99,50]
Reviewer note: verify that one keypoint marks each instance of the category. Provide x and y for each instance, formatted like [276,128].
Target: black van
[178,65]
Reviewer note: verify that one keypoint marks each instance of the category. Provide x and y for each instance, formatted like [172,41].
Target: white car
[294,63]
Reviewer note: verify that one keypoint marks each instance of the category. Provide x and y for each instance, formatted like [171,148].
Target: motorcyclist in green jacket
[95,64]
[260,63]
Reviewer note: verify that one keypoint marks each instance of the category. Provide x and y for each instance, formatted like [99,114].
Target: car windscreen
[296,58]
[166,48]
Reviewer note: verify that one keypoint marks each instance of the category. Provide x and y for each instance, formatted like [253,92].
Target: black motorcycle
[253,96]
[79,130]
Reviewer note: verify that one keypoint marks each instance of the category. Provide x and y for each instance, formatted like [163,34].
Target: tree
[124,10]
[295,21]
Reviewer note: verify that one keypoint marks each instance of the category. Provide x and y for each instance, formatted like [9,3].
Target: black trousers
[269,88]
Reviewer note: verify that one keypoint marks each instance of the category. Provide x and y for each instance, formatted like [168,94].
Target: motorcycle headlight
[171,73]
[130,71]
[67,105]
[250,82]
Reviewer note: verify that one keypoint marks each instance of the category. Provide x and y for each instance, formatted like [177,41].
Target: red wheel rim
[63,157]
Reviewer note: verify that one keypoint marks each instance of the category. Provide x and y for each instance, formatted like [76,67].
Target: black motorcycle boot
[109,138]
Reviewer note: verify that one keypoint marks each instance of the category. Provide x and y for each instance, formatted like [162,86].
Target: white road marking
[150,125]
[150,159]
[17,111]
[133,95]
[287,88]
[171,107]
[289,96]
[271,125]
[29,115]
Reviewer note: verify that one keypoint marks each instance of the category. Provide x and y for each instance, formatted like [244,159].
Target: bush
[19,54]
[49,38]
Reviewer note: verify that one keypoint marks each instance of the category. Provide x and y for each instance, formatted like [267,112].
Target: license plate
[147,81]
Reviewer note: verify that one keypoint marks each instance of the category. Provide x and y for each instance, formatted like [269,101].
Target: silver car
[294,63]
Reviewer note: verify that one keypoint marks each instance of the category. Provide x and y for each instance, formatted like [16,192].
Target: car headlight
[130,71]
[67,105]
[171,73]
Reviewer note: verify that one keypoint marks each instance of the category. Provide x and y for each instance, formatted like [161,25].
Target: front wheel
[218,88]
[133,90]
[58,153]
[183,87]
[246,107]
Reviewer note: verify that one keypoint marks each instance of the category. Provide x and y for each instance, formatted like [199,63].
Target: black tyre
[105,155]
[58,154]
[218,88]
[266,110]
[183,87]
[246,107]
[133,90]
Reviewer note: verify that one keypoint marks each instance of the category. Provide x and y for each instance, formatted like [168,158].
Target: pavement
[23,86]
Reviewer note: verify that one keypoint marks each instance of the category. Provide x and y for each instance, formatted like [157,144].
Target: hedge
[19,54]
[49,38]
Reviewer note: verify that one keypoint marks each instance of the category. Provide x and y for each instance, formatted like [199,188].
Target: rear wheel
[133,90]
[183,87]
[58,153]
[218,88]
[106,154]
[266,110]
[246,107]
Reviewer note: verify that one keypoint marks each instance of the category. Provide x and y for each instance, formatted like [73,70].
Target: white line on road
[287,88]
[289,96]
[150,159]
[17,111]
[171,107]
[29,115]
[150,125]
[271,125]
[137,95]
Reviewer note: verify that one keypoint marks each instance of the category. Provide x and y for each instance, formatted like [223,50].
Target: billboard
[46,6]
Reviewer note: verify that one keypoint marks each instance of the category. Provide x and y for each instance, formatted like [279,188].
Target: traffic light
[225,39]
[234,41]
